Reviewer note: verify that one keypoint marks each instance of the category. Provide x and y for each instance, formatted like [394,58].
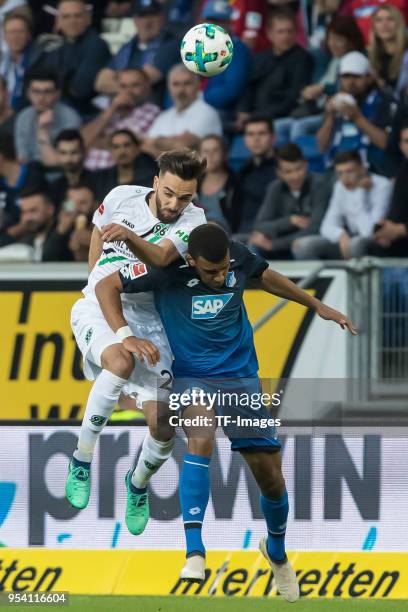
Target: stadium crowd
[305,134]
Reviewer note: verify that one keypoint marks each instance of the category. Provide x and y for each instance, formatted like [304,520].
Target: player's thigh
[266,468]
[201,432]
[157,415]
[117,360]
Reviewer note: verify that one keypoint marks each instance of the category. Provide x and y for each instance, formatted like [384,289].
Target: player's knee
[119,362]
[272,483]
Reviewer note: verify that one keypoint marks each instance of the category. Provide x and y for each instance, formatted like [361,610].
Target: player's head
[209,253]
[177,181]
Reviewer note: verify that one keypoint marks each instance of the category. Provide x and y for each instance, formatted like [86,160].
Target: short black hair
[209,241]
[281,13]
[124,132]
[289,152]
[184,163]
[260,119]
[344,157]
[7,147]
[70,136]
[39,74]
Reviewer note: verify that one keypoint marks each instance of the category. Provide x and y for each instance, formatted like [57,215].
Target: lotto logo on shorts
[101,209]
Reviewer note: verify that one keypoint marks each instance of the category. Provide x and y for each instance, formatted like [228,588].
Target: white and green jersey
[127,206]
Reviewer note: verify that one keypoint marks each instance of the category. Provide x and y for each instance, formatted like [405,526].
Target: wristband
[124,332]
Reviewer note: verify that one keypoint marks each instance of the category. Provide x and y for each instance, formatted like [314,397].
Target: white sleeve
[180,232]
[374,207]
[156,129]
[208,122]
[332,225]
[103,214]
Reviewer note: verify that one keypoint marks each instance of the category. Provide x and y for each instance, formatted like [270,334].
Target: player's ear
[156,183]
[190,260]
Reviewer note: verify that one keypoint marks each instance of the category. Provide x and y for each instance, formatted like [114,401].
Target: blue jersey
[208,329]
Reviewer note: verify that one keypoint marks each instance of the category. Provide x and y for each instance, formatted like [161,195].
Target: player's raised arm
[156,255]
[283,287]
[108,292]
[95,248]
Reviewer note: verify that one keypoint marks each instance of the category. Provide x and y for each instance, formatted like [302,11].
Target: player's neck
[151,202]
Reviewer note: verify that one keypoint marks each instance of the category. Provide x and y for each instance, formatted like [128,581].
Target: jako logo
[208,306]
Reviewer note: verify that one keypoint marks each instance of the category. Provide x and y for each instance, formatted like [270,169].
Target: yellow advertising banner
[360,575]
[41,367]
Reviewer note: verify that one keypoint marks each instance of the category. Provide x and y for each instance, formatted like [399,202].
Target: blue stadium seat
[310,150]
[238,153]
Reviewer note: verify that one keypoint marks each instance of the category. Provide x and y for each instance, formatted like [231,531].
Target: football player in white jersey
[159,220]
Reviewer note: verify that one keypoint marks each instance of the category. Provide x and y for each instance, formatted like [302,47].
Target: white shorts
[93,335]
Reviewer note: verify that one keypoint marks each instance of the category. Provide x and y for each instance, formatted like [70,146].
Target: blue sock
[194,496]
[276,514]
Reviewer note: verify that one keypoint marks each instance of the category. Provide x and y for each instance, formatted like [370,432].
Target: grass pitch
[222,604]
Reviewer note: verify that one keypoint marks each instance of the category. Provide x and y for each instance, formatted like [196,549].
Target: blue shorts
[238,404]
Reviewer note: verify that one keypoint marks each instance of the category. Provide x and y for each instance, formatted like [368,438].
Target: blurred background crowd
[305,134]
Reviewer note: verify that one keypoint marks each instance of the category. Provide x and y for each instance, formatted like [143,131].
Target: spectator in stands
[363,10]
[38,228]
[321,14]
[129,110]
[224,90]
[18,57]
[388,49]
[38,125]
[249,23]
[153,49]
[359,201]
[293,206]
[343,35]
[358,117]
[71,154]
[14,179]
[7,116]
[75,220]
[256,174]
[391,235]
[132,167]
[80,56]
[279,74]
[6,6]
[189,120]
[217,186]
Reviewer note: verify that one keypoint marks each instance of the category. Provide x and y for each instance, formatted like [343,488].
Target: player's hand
[144,350]
[114,231]
[329,314]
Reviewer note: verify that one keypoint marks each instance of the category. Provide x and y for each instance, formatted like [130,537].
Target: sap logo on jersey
[209,306]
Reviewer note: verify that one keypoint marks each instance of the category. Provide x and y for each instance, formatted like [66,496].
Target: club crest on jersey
[133,271]
[208,306]
[231,279]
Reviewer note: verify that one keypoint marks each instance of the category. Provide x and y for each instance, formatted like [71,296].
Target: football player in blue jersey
[201,305]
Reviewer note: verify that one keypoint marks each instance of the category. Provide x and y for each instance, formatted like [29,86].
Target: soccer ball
[207,49]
